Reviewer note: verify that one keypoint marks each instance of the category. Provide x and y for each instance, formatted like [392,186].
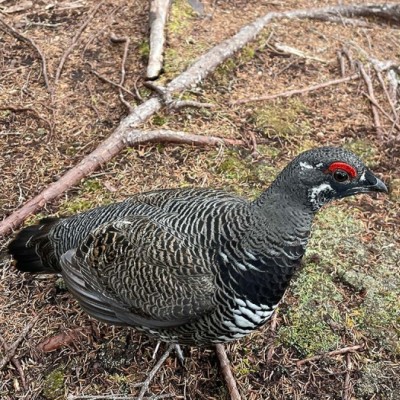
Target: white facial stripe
[362,177]
[315,194]
[304,165]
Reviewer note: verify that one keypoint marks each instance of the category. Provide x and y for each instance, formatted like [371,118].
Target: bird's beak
[367,183]
[372,183]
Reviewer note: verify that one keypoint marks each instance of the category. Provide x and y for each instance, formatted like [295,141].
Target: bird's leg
[160,362]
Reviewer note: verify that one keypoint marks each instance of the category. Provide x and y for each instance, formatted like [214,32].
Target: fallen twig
[27,109]
[227,372]
[74,41]
[157,19]
[388,96]
[136,137]
[13,32]
[103,78]
[191,103]
[297,91]
[193,75]
[13,348]
[115,397]
[344,350]
[371,93]
[376,104]
[347,388]
[127,41]
[15,362]
[272,329]
[296,52]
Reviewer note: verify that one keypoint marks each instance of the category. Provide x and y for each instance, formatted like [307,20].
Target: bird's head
[327,173]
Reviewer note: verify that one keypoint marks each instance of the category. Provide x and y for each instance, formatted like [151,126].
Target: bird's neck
[281,217]
[271,247]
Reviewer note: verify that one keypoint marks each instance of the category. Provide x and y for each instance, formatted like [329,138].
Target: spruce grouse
[193,266]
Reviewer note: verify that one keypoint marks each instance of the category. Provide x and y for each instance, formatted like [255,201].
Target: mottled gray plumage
[193,266]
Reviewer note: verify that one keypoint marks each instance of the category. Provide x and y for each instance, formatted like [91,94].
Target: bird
[196,266]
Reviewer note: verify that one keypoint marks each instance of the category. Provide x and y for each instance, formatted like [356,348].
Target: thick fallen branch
[158,18]
[227,372]
[192,76]
[344,350]
[297,91]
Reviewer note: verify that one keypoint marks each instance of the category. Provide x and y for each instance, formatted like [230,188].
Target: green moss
[90,195]
[180,16]
[159,119]
[364,149]
[243,175]
[53,387]
[144,49]
[278,120]
[245,367]
[316,297]
[343,258]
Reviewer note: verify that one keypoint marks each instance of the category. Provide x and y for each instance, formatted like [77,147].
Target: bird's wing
[137,272]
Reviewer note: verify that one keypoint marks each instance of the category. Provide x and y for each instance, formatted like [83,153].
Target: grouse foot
[146,383]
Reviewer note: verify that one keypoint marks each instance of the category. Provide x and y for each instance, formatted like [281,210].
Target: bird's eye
[340,176]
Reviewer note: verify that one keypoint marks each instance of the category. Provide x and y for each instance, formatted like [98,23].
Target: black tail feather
[30,246]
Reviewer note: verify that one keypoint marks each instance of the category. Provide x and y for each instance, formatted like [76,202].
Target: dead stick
[27,109]
[136,137]
[127,41]
[227,372]
[347,389]
[297,91]
[341,64]
[373,101]
[374,108]
[272,329]
[157,19]
[344,350]
[193,75]
[380,79]
[15,362]
[13,348]
[74,41]
[10,30]
[103,78]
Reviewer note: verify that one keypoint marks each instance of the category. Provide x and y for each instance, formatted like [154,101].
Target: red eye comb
[343,166]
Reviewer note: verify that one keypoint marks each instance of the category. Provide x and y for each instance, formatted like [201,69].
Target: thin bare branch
[13,347]
[344,350]
[103,78]
[371,93]
[13,32]
[347,388]
[297,91]
[127,41]
[75,40]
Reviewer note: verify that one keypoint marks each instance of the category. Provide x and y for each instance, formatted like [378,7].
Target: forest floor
[348,292]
